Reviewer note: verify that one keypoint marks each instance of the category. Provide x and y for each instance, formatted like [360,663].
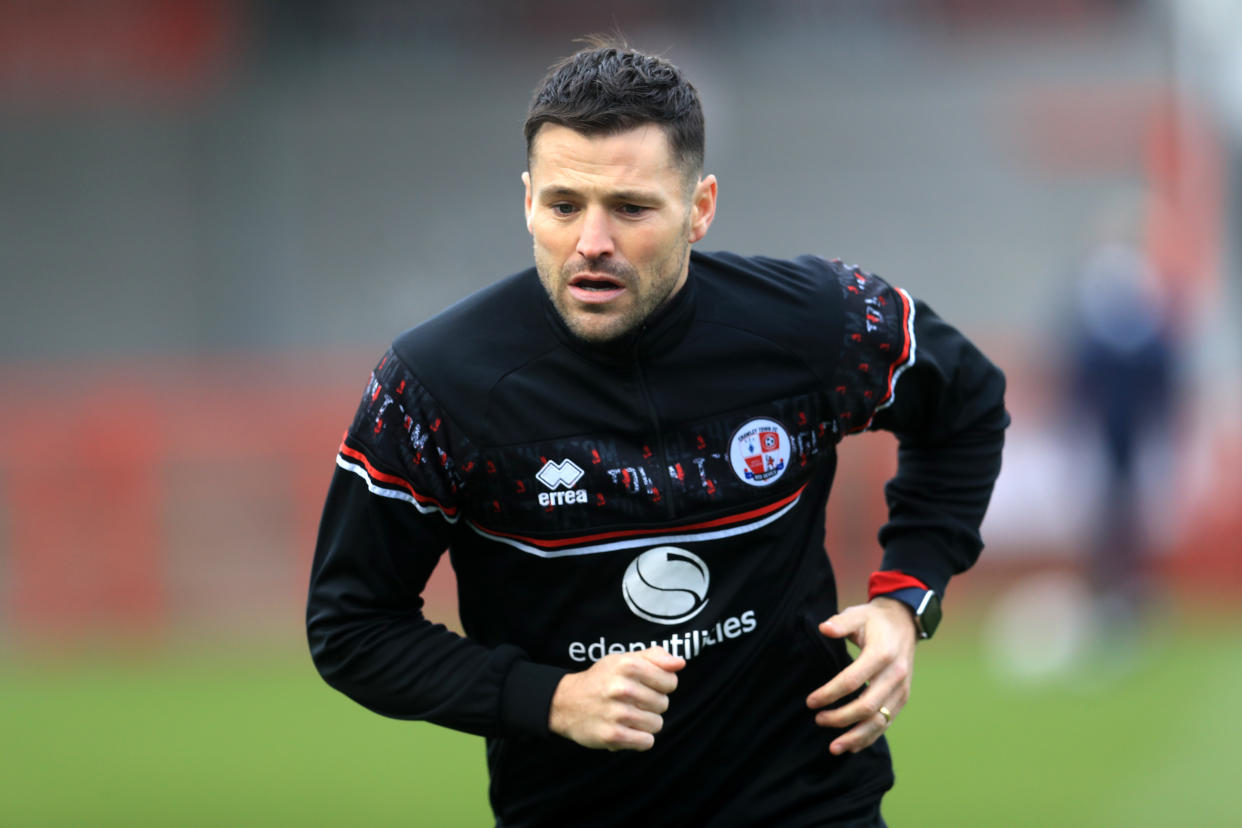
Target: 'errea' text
[562,498]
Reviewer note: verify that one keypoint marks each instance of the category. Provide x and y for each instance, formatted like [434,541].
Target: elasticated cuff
[526,698]
[887,581]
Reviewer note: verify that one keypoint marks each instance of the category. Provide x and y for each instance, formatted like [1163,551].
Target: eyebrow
[641,196]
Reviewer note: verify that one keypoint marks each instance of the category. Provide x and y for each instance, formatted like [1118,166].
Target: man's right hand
[616,703]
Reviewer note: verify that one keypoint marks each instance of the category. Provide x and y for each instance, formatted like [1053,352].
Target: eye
[632,209]
[563,208]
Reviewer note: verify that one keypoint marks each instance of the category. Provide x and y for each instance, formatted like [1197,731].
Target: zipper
[664,479]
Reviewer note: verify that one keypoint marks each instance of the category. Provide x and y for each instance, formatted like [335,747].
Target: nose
[595,236]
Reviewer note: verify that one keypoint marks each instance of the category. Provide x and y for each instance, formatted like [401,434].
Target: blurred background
[216,214]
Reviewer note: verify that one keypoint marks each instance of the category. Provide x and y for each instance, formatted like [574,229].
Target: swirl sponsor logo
[666,585]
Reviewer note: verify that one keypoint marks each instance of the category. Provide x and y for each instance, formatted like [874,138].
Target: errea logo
[566,473]
[554,475]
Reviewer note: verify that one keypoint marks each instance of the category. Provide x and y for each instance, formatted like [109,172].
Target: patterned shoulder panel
[403,446]
[878,346]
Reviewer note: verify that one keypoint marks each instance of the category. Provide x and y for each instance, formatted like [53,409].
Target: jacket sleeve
[944,401]
[390,513]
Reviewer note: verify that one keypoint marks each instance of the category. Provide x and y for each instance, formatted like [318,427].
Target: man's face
[613,218]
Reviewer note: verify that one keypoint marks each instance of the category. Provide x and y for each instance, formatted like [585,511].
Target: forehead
[642,156]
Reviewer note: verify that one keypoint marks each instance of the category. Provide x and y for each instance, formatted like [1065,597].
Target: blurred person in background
[628,449]
[1122,370]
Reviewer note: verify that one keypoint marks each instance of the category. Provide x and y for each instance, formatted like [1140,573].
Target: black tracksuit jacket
[667,489]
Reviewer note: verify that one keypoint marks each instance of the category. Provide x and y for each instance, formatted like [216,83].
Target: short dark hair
[608,88]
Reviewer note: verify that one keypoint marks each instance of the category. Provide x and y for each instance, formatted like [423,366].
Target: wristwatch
[925,606]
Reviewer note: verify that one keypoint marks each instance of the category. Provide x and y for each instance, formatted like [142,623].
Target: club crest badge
[759,451]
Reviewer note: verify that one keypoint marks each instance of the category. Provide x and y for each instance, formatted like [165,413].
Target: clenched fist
[617,703]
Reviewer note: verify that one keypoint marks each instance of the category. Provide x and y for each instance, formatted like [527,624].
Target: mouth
[595,288]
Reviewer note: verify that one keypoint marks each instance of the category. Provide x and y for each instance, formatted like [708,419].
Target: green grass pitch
[210,740]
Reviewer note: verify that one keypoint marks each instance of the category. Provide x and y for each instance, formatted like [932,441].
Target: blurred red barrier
[67,50]
[84,513]
[104,468]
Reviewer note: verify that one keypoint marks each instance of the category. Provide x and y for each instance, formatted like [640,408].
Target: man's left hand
[884,630]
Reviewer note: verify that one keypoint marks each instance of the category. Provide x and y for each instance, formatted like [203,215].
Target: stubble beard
[650,291]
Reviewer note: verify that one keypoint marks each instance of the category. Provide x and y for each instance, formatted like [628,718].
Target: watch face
[929,618]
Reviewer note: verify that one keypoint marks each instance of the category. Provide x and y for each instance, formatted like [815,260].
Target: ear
[703,208]
[526,183]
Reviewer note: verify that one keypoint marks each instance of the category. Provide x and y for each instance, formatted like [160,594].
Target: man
[627,451]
